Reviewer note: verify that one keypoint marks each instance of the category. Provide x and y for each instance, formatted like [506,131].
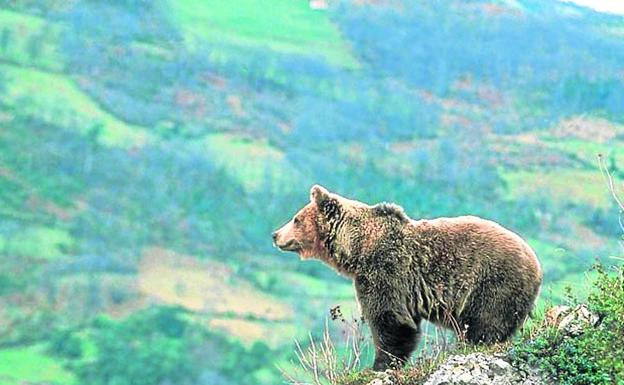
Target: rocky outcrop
[571,321]
[497,369]
[482,369]
[471,369]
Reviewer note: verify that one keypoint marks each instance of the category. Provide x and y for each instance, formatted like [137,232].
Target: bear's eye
[297,221]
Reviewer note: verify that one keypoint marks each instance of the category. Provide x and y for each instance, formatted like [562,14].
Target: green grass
[288,26]
[22,365]
[567,185]
[30,188]
[319,287]
[554,260]
[313,287]
[29,40]
[249,161]
[57,100]
[589,151]
[579,283]
[552,256]
[37,242]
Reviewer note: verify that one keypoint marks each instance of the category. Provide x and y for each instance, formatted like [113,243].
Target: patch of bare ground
[114,294]
[204,286]
[527,151]
[492,9]
[250,331]
[589,129]
[584,237]
[219,299]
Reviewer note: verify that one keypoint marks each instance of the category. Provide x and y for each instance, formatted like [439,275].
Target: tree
[148,348]
[34,46]
[5,39]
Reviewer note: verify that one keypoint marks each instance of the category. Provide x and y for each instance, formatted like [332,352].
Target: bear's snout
[284,238]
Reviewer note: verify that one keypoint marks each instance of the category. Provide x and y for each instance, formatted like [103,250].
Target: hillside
[148,149]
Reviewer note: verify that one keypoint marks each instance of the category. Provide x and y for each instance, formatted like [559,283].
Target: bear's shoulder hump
[390,210]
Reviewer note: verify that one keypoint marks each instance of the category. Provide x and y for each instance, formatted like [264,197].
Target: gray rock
[472,369]
[384,378]
[571,321]
[481,369]
[499,367]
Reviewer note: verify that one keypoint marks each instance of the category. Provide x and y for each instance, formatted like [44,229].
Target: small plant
[321,362]
[596,356]
[64,343]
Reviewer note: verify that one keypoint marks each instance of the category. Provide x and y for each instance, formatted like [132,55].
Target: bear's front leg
[395,336]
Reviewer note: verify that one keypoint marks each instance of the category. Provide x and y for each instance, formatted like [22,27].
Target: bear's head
[321,229]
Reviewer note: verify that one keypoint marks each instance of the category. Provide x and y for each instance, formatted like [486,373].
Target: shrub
[66,344]
[597,355]
[144,349]
[343,358]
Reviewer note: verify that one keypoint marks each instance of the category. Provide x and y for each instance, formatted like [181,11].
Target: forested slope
[148,149]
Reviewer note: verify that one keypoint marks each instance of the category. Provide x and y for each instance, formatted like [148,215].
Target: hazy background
[149,148]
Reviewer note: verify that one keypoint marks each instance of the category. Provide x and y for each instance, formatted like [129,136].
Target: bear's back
[475,241]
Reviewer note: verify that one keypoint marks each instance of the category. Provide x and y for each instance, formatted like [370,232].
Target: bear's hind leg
[497,325]
[484,333]
[395,336]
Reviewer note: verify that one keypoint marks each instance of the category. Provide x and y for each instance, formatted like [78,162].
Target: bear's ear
[319,195]
[327,204]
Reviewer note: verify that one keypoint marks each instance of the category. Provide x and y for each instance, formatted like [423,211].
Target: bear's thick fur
[465,273]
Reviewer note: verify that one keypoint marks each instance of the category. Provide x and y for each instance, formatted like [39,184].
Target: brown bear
[465,273]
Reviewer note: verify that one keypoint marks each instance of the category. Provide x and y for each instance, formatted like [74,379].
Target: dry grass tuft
[321,361]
